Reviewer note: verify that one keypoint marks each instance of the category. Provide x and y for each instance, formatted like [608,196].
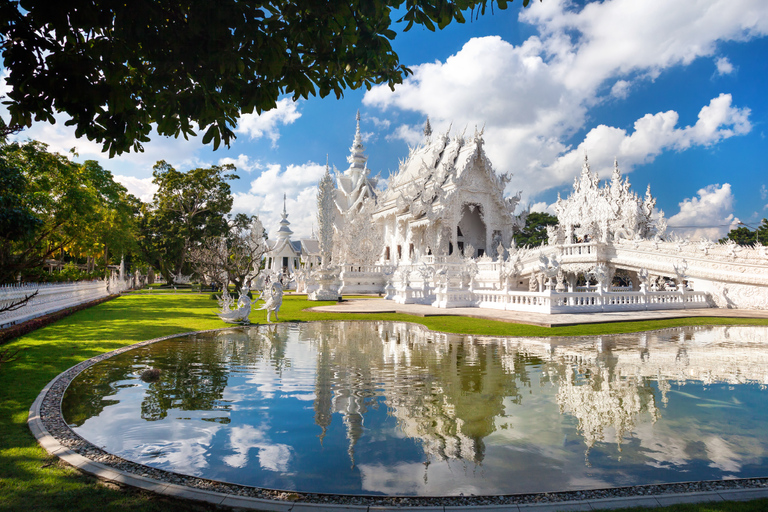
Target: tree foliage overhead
[117,67]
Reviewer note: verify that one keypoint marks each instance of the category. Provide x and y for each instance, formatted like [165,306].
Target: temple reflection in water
[388,407]
[449,391]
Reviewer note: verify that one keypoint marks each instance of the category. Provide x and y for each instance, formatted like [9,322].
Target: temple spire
[427,128]
[284,233]
[357,158]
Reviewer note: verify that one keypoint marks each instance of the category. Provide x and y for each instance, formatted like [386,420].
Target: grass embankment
[30,480]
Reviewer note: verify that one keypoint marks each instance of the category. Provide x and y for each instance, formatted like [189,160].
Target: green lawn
[30,480]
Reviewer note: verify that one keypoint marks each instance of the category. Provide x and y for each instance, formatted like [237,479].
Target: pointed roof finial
[357,157]
[285,212]
[427,128]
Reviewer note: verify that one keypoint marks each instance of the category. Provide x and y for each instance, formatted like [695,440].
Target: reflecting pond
[387,407]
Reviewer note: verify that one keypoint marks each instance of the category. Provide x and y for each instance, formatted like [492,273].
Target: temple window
[386,253]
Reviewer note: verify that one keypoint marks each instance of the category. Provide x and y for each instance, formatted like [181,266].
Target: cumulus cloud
[265,197]
[242,162]
[534,96]
[543,207]
[724,66]
[620,89]
[707,216]
[179,152]
[379,123]
[143,188]
[653,133]
[267,124]
[412,135]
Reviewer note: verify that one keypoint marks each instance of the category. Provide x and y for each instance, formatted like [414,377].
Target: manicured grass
[30,480]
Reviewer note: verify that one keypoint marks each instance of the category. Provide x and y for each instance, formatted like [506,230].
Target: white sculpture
[325,277]
[549,267]
[238,315]
[274,299]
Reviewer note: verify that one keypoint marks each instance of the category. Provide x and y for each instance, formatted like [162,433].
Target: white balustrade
[52,297]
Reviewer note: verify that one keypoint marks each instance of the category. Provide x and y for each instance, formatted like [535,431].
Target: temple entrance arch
[472,228]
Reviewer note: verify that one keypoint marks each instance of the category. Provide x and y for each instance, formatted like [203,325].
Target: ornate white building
[442,233]
[288,259]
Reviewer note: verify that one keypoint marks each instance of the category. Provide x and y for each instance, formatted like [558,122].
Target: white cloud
[412,135]
[763,192]
[543,207]
[266,124]
[143,188]
[242,162]
[265,197]
[707,216]
[179,152]
[724,66]
[379,123]
[534,96]
[620,89]
[653,133]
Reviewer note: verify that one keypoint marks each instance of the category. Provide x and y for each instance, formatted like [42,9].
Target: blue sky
[676,91]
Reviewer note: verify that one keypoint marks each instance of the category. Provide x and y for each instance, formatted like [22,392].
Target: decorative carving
[238,315]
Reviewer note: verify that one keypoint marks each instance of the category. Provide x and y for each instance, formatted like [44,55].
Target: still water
[385,407]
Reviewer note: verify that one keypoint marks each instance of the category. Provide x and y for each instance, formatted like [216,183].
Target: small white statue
[274,299]
[239,315]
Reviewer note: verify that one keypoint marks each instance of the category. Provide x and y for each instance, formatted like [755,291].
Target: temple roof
[353,186]
[435,168]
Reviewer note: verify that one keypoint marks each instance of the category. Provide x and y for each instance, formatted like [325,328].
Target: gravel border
[55,436]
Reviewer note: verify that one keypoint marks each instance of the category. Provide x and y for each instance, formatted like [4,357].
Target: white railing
[550,302]
[52,297]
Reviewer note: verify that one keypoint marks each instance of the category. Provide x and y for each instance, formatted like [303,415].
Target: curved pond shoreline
[52,432]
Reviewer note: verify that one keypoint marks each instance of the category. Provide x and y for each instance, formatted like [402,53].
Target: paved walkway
[378,305]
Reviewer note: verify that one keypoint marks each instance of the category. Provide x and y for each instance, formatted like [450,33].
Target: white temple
[287,257]
[442,233]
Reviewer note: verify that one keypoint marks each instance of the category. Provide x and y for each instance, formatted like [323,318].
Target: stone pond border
[57,438]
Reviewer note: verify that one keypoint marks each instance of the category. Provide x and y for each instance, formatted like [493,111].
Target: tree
[186,209]
[234,257]
[117,67]
[745,236]
[49,204]
[535,231]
